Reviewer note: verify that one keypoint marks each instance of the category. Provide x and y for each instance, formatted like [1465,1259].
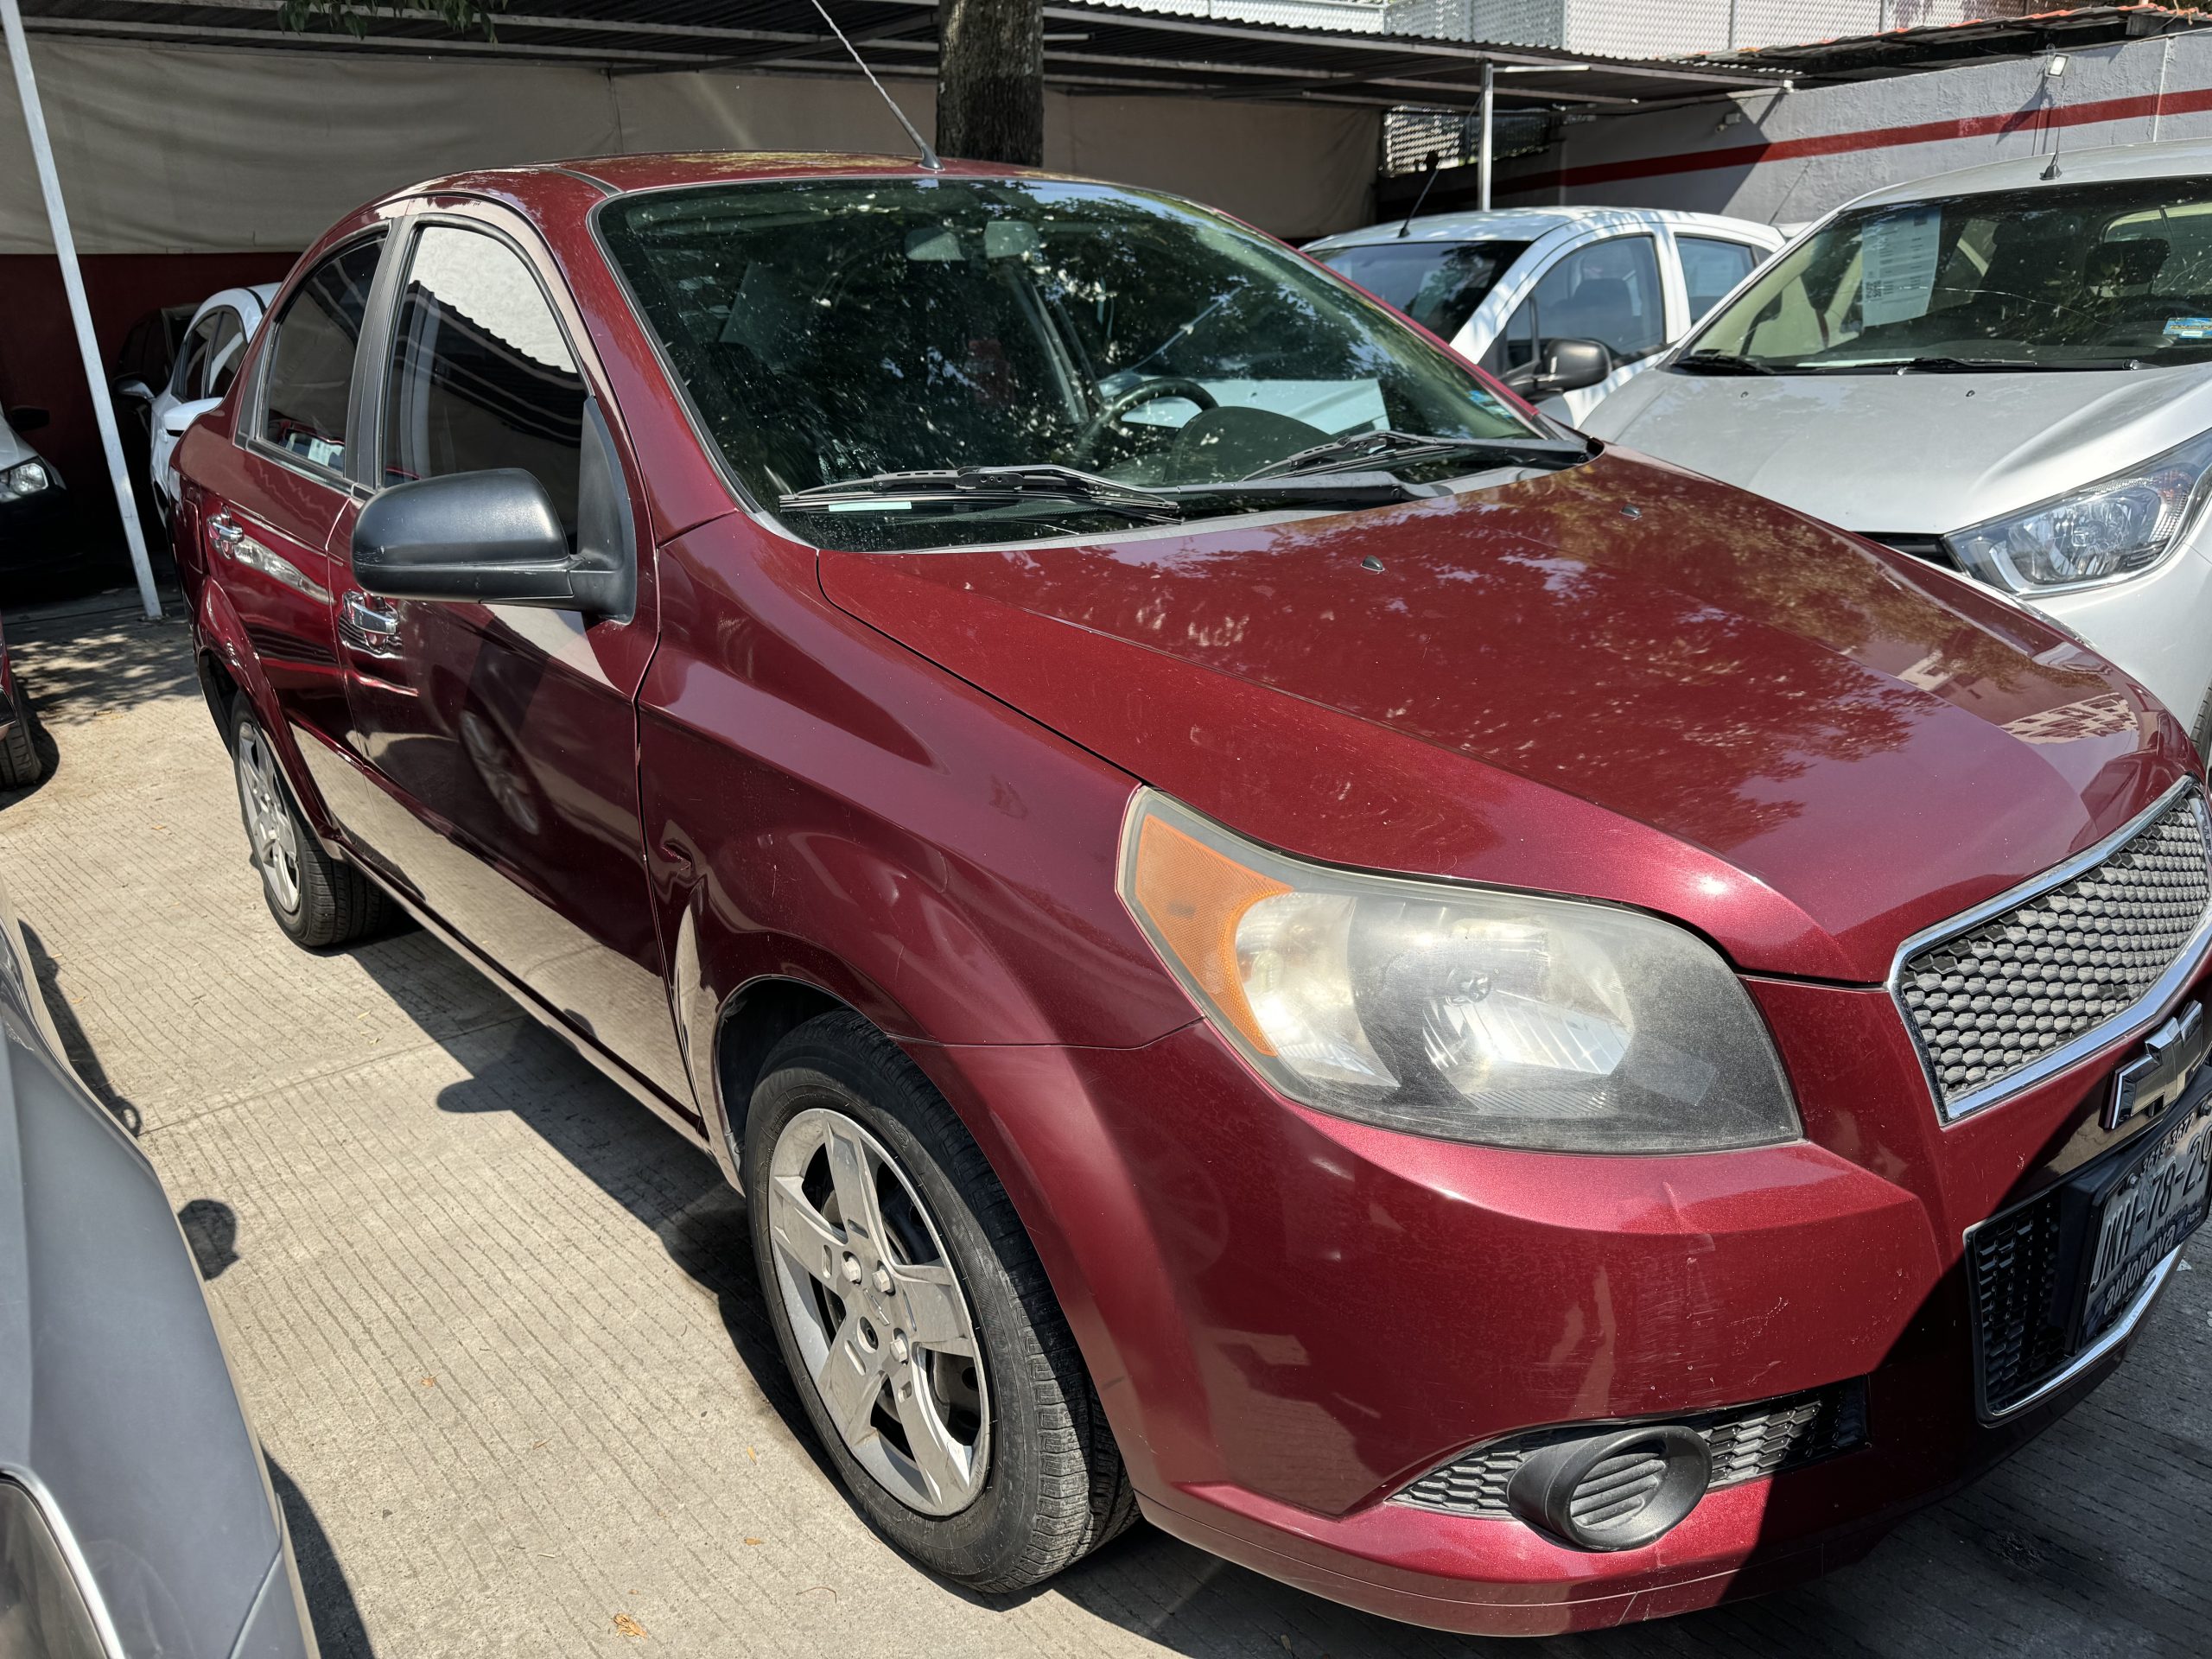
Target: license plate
[2160,1200]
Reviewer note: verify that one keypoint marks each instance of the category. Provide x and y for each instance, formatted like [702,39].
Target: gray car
[137,1518]
[2007,370]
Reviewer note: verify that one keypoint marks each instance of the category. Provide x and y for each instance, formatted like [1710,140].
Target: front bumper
[1290,1317]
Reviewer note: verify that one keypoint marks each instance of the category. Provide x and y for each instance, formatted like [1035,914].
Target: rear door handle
[225,531]
[366,625]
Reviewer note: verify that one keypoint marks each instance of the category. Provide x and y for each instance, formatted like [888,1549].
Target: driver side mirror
[1571,366]
[495,536]
[491,537]
[25,418]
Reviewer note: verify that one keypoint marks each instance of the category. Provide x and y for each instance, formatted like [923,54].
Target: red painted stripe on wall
[2138,108]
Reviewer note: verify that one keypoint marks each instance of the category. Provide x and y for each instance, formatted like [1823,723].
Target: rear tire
[318,900]
[971,1436]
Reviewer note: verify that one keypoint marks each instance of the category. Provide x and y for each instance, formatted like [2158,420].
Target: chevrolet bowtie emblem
[2145,1087]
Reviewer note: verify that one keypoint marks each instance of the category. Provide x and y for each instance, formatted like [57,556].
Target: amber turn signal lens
[1194,896]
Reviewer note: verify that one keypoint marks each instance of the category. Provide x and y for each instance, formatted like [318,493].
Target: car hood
[1911,454]
[1804,744]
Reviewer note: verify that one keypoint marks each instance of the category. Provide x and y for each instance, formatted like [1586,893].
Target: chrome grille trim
[2139,1016]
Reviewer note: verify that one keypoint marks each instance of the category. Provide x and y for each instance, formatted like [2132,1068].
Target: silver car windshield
[2095,276]
[1437,284]
[837,336]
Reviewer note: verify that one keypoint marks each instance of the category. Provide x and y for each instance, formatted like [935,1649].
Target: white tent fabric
[186,149]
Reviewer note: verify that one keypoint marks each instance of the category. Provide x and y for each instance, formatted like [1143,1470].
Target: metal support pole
[1482,175]
[81,314]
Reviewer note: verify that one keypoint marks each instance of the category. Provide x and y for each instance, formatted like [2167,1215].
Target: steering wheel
[1144,391]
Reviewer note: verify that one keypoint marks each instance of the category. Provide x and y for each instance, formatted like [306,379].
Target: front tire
[20,766]
[927,1347]
[317,899]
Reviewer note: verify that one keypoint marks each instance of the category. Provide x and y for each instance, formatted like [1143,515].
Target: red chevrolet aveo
[1488,1028]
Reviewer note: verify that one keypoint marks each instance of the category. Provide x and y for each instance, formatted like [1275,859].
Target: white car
[1505,287]
[206,362]
[2007,370]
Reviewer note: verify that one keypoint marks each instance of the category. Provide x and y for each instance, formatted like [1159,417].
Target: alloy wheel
[881,1319]
[268,819]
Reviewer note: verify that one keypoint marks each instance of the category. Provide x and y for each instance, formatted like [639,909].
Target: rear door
[1712,265]
[266,532]
[501,740]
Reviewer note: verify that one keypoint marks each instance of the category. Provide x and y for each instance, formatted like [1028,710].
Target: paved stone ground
[499,1331]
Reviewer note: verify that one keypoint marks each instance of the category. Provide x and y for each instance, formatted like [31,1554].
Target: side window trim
[255,408]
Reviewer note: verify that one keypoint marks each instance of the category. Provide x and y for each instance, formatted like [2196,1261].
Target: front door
[1608,290]
[504,738]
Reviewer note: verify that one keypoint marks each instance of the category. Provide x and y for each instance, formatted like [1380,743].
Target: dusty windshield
[2058,276]
[1437,284]
[834,332]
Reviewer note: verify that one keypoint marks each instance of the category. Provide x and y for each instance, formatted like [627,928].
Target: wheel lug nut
[883,1280]
[852,1268]
[898,1346]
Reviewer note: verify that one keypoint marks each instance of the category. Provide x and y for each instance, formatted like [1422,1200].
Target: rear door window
[310,382]
[1711,267]
[482,375]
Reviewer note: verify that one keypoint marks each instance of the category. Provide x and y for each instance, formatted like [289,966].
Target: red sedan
[1486,1026]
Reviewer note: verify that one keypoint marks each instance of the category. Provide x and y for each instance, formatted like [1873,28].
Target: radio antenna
[928,155]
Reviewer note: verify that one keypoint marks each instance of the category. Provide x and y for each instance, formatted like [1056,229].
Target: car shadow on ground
[74,1044]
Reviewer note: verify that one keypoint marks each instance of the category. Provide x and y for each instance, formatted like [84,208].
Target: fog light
[1619,1489]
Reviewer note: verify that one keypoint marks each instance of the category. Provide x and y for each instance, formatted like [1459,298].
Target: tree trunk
[990,80]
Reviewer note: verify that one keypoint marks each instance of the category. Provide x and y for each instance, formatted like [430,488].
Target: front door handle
[225,531]
[368,626]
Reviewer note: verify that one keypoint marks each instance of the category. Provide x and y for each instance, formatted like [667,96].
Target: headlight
[1462,1013]
[42,1610]
[2116,528]
[25,477]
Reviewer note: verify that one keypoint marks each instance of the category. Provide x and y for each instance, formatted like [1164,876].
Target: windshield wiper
[1356,451]
[1044,485]
[1053,488]
[1715,362]
[1934,364]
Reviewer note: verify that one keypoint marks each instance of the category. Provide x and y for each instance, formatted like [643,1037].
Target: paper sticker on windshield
[1897,270]
[2189,327]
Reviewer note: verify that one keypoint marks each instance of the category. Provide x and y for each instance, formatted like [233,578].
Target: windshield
[829,331]
[1437,284]
[2058,276]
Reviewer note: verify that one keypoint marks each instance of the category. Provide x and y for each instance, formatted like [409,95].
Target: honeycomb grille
[1990,1001]
[1747,1443]
[2013,1266]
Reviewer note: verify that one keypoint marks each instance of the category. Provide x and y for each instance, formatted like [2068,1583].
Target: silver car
[2007,371]
[137,1518]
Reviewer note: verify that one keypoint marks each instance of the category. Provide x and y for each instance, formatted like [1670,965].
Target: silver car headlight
[1467,1014]
[42,1610]
[2118,527]
[25,477]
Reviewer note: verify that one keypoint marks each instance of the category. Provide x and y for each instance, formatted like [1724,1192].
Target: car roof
[626,173]
[1526,224]
[2172,159]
